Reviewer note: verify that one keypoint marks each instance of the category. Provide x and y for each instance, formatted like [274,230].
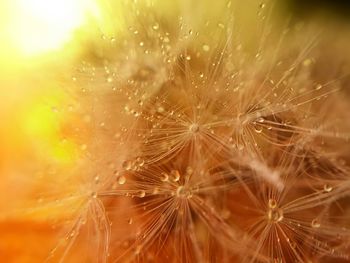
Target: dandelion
[201,145]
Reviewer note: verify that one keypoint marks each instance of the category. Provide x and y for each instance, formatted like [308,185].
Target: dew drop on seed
[327,188]
[121,180]
[319,86]
[176,175]
[155,26]
[258,129]
[194,127]
[221,25]
[164,177]
[275,215]
[260,119]
[315,223]
[272,203]
[127,165]
[206,48]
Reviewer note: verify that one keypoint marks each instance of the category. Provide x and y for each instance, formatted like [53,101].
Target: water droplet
[189,170]
[260,119]
[327,188]
[221,25]
[319,86]
[206,48]
[307,62]
[275,215]
[194,127]
[164,177]
[121,180]
[160,109]
[176,175]
[93,194]
[127,165]
[188,57]
[315,223]
[130,221]
[97,179]
[272,203]
[140,162]
[262,5]
[258,128]
[155,26]
[183,192]
[142,194]
[141,44]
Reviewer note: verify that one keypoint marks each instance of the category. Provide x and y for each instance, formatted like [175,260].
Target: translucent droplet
[194,127]
[327,188]
[183,192]
[141,44]
[272,203]
[189,170]
[262,5]
[176,175]
[93,194]
[155,26]
[258,128]
[315,223]
[307,62]
[130,221]
[319,86]
[221,25]
[188,57]
[97,179]
[275,215]
[127,165]
[142,194]
[140,162]
[260,119]
[206,48]
[121,180]
[164,177]
[160,109]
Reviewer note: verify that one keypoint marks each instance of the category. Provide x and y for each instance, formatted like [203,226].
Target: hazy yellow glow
[37,26]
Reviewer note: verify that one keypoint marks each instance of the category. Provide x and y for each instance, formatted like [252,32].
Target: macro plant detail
[206,136]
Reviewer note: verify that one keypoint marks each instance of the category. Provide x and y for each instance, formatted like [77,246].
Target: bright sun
[38,26]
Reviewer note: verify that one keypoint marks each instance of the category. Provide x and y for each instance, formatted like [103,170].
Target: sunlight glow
[38,26]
